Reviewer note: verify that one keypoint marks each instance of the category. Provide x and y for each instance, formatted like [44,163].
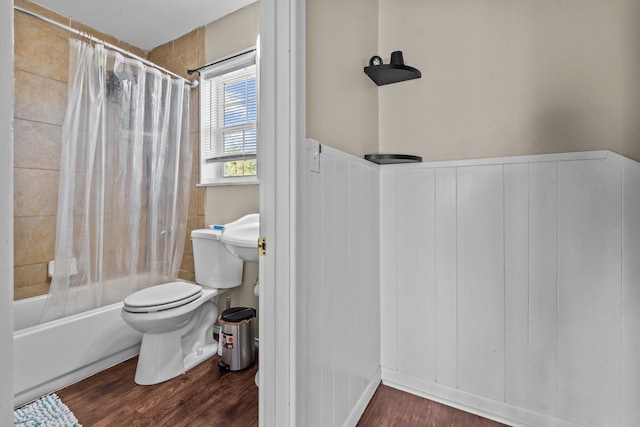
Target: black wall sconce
[395,71]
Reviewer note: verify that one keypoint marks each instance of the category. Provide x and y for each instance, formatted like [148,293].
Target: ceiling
[145,24]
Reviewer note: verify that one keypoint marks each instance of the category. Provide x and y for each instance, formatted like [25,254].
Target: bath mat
[48,411]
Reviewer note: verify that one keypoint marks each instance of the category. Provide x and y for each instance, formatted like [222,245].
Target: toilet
[177,318]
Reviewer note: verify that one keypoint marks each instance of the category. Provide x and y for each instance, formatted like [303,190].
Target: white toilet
[177,318]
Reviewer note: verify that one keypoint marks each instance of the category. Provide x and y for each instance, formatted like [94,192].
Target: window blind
[228,113]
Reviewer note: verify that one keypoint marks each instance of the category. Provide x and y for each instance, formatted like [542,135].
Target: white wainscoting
[338,292]
[509,287]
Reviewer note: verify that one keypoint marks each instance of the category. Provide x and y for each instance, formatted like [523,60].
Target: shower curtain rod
[88,36]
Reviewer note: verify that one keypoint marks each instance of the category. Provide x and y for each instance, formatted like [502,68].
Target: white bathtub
[53,355]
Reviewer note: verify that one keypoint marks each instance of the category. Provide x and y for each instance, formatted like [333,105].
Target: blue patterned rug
[48,411]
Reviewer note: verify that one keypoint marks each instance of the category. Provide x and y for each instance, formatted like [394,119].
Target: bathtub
[53,355]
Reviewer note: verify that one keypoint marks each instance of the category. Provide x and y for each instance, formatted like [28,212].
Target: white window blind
[228,117]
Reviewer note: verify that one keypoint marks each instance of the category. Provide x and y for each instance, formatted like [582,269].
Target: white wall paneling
[480,274]
[516,282]
[340,290]
[511,288]
[313,318]
[415,273]
[543,289]
[589,286]
[388,269]
[446,321]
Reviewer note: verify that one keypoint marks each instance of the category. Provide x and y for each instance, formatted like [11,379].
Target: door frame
[282,132]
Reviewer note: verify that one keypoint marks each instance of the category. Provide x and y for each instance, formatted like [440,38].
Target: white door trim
[6,212]
[282,132]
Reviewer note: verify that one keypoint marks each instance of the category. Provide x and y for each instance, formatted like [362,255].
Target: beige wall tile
[36,145]
[202,57]
[187,43]
[202,200]
[41,72]
[29,275]
[188,61]
[162,54]
[31,291]
[39,98]
[193,200]
[35,192]
[178,56]
[194,108]
[187,261]
[187,275]
[34,239]
[192,224]
[194,140]
[41,48]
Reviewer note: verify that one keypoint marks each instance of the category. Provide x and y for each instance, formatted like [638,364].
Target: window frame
[211,173]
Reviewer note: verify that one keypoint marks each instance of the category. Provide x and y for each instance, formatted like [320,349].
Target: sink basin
[240,237]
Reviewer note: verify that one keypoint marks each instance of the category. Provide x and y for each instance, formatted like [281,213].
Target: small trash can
[238,338]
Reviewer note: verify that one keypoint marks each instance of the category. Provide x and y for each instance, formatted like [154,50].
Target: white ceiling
[144,23]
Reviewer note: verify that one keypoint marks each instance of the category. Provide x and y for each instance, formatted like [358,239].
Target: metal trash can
[238,338]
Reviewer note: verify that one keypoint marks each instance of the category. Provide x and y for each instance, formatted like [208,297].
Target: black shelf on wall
[396,71]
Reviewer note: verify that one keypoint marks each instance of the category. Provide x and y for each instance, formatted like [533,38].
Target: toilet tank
[215,266]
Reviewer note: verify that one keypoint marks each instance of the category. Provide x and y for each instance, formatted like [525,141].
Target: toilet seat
[162,297]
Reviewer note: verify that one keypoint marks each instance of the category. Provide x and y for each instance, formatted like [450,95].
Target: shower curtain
[124,181]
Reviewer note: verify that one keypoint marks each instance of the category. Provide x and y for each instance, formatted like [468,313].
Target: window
[228,121]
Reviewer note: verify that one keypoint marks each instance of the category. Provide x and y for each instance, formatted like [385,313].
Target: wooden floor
[205,396]
[394,408]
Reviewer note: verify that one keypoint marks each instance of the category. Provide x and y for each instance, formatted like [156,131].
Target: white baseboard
[362,403]
[479,405]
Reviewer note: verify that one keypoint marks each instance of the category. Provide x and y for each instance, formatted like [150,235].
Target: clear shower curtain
[124,181]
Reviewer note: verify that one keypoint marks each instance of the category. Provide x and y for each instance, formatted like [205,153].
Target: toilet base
[167,355]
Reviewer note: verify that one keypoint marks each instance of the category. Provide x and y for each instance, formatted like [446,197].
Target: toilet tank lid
[206,233]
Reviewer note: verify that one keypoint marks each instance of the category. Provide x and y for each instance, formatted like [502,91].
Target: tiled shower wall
[188,52]
[41,68]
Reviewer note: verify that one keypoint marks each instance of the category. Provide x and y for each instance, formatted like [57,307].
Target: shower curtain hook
[90,39]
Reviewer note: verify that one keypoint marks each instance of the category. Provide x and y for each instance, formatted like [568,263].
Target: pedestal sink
[240,237]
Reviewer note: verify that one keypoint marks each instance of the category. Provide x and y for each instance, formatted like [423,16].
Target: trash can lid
[238,314]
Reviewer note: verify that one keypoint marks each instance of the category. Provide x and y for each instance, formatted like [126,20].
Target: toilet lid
[162,297]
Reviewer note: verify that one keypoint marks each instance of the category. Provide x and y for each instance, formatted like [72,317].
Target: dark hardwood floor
[205,396]
[394,408]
